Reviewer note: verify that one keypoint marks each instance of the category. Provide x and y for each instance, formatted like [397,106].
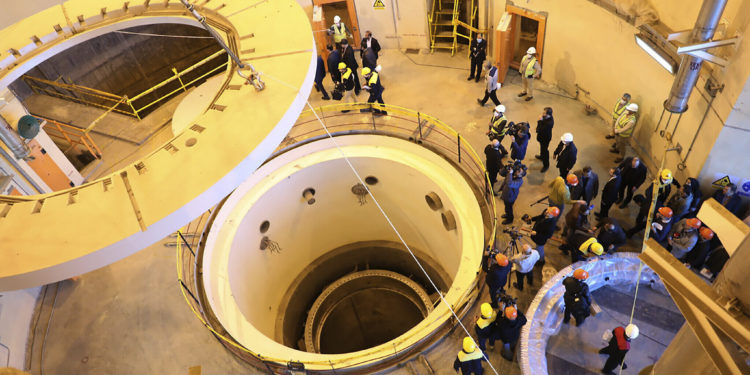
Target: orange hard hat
[554,211]
[706,233]
[580,274]
[572,179]
[501,259]
[666,212]
[693,223]
[511,312]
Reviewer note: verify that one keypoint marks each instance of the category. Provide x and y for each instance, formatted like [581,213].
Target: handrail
[69,133]
[307,129]
[172,78]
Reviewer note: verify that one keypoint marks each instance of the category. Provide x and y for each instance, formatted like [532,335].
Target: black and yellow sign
[722,182]
[378,4]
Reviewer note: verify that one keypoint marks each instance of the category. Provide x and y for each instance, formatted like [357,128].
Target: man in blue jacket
[497,269]
[334,58]
[728,198]
[320,73]
[519,141]
[469,359]
[513,174]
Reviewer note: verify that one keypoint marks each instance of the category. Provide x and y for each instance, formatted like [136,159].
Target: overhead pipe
[690,66]
[14,142]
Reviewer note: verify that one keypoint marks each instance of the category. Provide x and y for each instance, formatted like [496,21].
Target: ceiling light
[661,56]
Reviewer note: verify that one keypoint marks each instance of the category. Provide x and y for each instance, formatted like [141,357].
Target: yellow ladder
[443,25]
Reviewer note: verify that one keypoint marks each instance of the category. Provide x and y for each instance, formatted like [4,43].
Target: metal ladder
[443,26]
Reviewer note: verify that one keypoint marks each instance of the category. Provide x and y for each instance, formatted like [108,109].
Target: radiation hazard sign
[722,182]
[378,4]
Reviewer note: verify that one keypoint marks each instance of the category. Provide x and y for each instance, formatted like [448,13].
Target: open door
[323,13]
[504,45]
[518,30]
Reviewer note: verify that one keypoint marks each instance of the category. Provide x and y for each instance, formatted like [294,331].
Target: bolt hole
[606,278]
[371,180]
[264,226]
[433,200]
[190,142]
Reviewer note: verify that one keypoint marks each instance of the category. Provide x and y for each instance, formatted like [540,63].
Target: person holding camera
[519,138]
[514,174]
[508,328]
[577,297]
[543,229]
[497,269]
[544,135]
[523,265]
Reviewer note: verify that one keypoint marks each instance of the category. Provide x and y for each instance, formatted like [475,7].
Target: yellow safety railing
[74,136]
[401,122]
[120,103]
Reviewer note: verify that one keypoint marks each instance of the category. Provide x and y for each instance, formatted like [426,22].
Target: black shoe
[609,136]
[507,221]
[470,78]
[326,98]
[544,169]
[481,103]
[618,160]
[345,111]
[529,98]
[503,216]
[521,94]
[356,92]
[614,151]
[538,157]
[477,80]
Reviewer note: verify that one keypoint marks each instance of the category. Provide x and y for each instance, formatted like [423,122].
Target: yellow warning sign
[722,182]
[378,4]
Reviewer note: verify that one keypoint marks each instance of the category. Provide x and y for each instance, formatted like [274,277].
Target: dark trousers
[493,176]
[544,152]
[357,86]
[482,339]
[319,87]
[476,65]
[621,194]
[640,222]
[604,210]
[508,210]
[520,276]
[580,316]
[490,95]
[614,360]
[379,99]
[564,172]
[495,292]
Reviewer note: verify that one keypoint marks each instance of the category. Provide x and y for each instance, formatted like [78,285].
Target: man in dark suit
[610,234]
[633,173]
[320,73]
[589,184]
[544,136]
[478,48]
[609,193]
[728,198]
[566,154]
[368,42]
[334,58]
[347,56]
[493,160]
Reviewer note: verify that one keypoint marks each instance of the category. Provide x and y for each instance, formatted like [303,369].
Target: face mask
[338,23]
[479,39]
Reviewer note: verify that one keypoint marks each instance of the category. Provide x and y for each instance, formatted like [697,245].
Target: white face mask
[479,39]
[338,23]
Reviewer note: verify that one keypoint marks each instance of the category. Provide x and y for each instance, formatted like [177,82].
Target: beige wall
[410,17]
[600,55]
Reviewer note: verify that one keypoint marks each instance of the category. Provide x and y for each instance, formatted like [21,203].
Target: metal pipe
[13,141]
[682,165]
[690,66]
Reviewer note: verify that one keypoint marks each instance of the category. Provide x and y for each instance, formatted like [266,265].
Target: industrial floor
[130,317]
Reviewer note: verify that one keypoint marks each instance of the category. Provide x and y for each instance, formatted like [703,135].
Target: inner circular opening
[367,318]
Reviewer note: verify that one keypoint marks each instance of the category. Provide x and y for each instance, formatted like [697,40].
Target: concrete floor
[130,317]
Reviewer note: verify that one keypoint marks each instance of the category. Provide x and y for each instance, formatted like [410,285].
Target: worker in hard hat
[469,359]
[577,297]
[477,53]
[610,234]
[566,154]
[624,126]
[375,88]
[347,56]
[619,344]
[498,126]
[347,84]
[664,188]
[493,161]
[339,31]
[497,268]
[490,90]
[559,194]
[484,327]
[543,229]
[530,70]
[508,329]
[661,225]
[523,265]
[697,257]
[683,236]
[618,110]
[584,245]
[544,126]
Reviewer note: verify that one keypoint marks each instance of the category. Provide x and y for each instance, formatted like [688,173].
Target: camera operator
[508,328]
[514,172]
[577,297]
[519,138]
[523,265]
[497,268]
[543,229]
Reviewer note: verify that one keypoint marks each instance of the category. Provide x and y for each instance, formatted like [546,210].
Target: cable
[165,35]
[390,223]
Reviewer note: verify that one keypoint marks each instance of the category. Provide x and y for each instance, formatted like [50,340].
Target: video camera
[507,300]
[514,166]
[513,128]
[513,233]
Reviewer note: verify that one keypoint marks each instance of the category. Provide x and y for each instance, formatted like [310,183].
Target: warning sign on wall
[722,182]
[378,4]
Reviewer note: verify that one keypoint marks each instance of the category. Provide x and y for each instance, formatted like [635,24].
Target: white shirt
[369,42]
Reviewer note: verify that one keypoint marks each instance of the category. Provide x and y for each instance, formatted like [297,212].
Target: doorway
[518,30]
[328,9]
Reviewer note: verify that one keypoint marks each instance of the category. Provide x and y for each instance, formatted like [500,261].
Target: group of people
[343,68]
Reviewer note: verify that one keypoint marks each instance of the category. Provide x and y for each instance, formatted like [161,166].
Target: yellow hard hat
[366,71]
[597,248]
[486,310]
[342,65]
[469,345]
[666,176]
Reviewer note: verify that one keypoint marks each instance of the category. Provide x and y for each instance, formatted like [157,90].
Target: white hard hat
[336,19]
[632,331]
[567,137]
[500,108]
[632,107]
[531,51]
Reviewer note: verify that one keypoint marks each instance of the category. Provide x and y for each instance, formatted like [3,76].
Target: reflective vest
[496,128]
[465,357]
[584,248]
[339,33]
[346,74]
[619,109]
[622,122]
[373,80]
[530,71]
[482,323]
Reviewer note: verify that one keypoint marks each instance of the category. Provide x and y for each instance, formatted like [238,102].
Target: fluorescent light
[656,53]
